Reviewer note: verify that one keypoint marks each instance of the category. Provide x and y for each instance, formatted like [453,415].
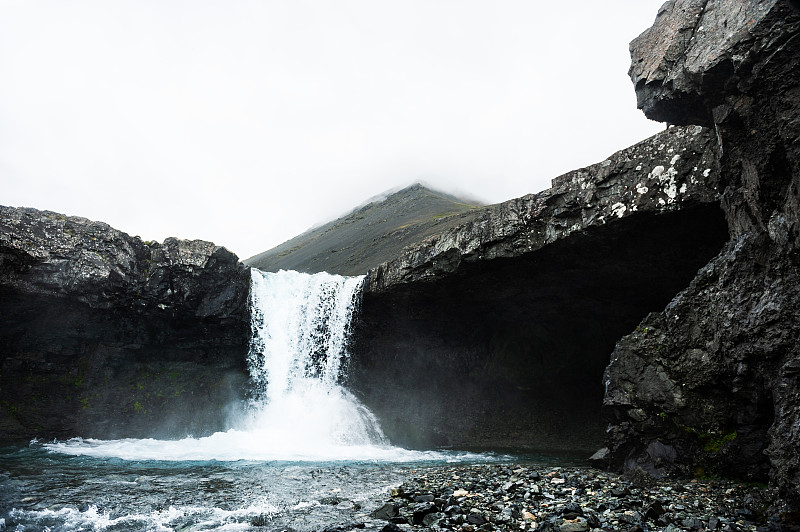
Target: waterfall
[298,351]
[299,408]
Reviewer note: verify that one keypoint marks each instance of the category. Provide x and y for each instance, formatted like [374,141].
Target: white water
[301,325]
[300,411]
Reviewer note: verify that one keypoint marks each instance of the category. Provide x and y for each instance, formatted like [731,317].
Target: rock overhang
[668,172]
[519,309]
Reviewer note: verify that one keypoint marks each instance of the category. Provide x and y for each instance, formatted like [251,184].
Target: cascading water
[306,440]
[300,325]
[299,409]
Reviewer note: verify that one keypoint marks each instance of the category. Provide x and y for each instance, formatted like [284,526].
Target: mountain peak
[371,234]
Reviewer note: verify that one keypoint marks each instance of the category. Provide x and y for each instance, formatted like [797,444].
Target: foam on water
[235,445]
[300,410]
[201,518]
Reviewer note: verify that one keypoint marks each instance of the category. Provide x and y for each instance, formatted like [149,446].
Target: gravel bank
[569,499]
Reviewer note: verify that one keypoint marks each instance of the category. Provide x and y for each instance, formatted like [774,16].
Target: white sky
[247,122]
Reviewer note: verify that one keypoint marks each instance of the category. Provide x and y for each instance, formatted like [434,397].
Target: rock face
[105,335]
[669,172]
[713,381]
[496,333]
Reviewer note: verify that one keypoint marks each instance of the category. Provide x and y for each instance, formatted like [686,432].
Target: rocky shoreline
[486,497]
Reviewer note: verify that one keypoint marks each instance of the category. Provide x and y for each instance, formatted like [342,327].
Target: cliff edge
[712,383]
[104,335]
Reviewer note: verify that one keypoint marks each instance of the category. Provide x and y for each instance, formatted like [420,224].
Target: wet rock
[260,520]
[346,527]
[420,510]
[386,512]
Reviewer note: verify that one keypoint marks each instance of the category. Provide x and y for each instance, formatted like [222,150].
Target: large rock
[496,333]
[714,377]
[105,335]
[669,172]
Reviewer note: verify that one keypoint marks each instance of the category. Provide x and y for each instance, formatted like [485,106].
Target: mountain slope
[370,235]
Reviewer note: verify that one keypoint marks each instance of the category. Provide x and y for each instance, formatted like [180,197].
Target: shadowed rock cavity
[512,353]
[497,333]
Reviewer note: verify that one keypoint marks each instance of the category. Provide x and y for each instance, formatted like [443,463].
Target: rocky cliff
[496,332]
[501,327]
[103,334]
[712,383]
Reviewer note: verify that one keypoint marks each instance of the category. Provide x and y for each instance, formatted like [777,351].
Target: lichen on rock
[720,384]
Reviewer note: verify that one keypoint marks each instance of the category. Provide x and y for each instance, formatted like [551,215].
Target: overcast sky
[247,122]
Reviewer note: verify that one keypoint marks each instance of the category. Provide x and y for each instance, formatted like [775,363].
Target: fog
[247,122]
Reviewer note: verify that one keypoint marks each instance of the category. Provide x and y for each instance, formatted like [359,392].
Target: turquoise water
[308,455]
[42,489]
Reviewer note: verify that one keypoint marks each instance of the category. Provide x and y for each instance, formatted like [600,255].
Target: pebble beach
[471,498]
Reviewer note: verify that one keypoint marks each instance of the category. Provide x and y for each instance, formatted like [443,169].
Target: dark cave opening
[509,353]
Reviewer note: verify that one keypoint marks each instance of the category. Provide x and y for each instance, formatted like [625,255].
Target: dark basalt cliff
[497,332]
[670,172]
[712,383]
[105,335]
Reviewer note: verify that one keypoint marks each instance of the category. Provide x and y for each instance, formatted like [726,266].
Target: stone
[572,508]
[577,525]
[346,527]
[600,455]
[654,511]
[386,512]
[431,519]
[107,336]
[476,518]
[715,371]
[454,510]
[420,510]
